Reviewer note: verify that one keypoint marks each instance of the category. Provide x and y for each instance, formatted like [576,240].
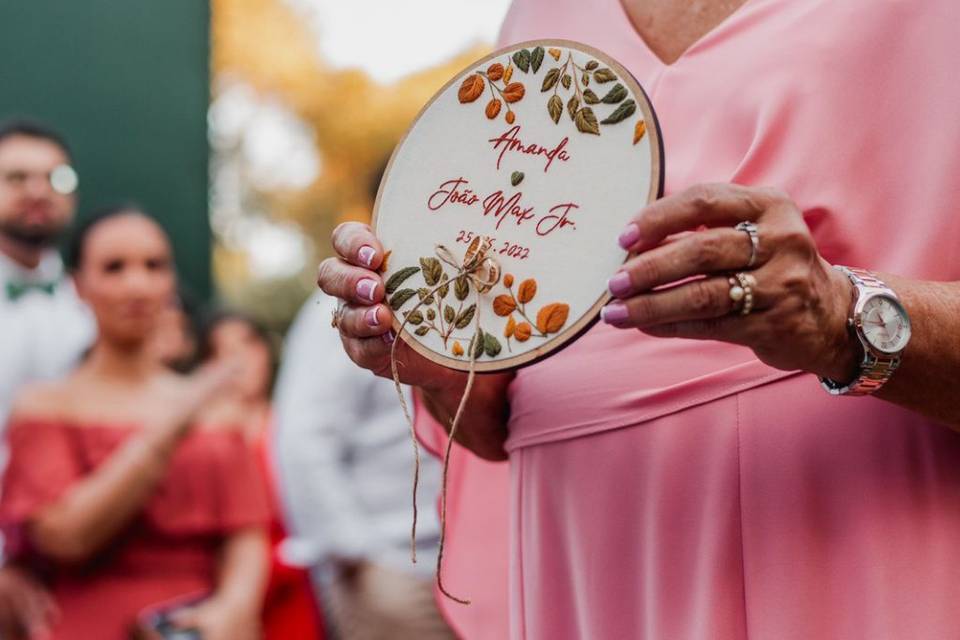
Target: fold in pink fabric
[682,489]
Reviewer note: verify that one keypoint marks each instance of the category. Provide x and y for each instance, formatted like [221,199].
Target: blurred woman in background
[289,610]
[113,487]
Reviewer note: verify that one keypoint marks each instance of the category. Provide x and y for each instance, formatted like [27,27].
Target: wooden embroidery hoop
[581,324]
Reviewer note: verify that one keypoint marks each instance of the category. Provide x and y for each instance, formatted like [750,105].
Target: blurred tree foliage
[356,123]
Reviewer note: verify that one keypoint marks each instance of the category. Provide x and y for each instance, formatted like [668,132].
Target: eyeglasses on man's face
[62,179]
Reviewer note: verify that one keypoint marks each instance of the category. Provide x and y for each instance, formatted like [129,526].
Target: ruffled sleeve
[43,464]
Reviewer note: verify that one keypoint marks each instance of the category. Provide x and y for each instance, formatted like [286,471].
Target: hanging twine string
[483,272]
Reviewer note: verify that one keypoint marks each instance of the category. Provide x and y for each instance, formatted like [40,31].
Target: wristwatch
[882,326]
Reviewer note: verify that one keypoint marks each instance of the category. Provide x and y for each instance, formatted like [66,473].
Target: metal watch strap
[875,370]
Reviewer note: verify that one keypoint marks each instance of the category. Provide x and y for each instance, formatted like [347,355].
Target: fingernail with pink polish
[389,337]
[371,317]
[365,289]
[614,313]
[366,255]
[629,236]
[620,284]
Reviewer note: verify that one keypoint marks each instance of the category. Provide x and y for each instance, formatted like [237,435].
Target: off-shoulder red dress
[212,488]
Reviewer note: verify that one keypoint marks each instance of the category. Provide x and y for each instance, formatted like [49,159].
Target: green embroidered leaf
[431,270]
[593,64]
[615,95]
[415,317]
[622,112]
[536,59]
[566,80]
[449,314]
[400,297]
[425,296]
[465,317]
[461,287]
[516,178]
[422,331]
[397,278]
[431,315]
[589,97]
[491,346]
[522,60]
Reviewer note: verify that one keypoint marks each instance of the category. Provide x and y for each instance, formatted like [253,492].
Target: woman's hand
[677,285]
[365,325]
[363,320]
[219,620]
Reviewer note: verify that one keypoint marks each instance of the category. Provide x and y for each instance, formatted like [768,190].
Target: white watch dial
[885,324]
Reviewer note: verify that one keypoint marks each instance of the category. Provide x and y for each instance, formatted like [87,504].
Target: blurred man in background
[346,466]
[43,326]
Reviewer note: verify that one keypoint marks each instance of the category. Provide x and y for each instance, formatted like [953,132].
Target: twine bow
[484,272]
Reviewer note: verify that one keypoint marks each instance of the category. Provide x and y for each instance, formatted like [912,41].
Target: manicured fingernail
[389,337]
[614,313]
[620,284]
[366,255]
[629,236]
[371,317]
[366,288]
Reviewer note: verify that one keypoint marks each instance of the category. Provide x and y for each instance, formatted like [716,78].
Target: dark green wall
[127,81]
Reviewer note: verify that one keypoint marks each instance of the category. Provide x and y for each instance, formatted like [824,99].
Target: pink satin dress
[676,489]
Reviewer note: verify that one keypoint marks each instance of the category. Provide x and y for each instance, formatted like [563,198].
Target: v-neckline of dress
[714,31]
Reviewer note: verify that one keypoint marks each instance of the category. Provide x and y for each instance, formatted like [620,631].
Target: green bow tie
[16,290]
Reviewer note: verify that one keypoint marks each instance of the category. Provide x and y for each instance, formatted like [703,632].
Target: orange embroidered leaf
[552,317]
[528,289]
[503,305]
[522,332]
[513,92]
[510,328]
[471,89]
[457,348]
[493,108]
[639,130]
[495,71]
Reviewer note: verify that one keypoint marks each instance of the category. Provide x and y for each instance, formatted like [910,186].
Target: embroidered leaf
[495,71]
[550,80]
[536,59]
[639,130]
[425,296]
[572,106]
[523,332]
[566,80]
[593,64]
[615,95]
[493,108]
[513,92]
[471,88]
[503,305]
[449,314]
[604,75]
[491,346]
[422,331]
[431,315]
[397,279]
[527,290]
[587,122]
[516,178]
[415,317]
[589,97]
[461,287]
[522,60]
[431,270]
[509,329]
[445,288]
[400,297]
[555,108]
[552,317]
[457,348]
[554,53]
[465,317]
[624,111]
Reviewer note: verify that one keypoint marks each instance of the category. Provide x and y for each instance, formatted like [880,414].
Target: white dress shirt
[42,335]
[345,457]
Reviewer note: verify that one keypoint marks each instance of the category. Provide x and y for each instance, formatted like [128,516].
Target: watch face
[885,324]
